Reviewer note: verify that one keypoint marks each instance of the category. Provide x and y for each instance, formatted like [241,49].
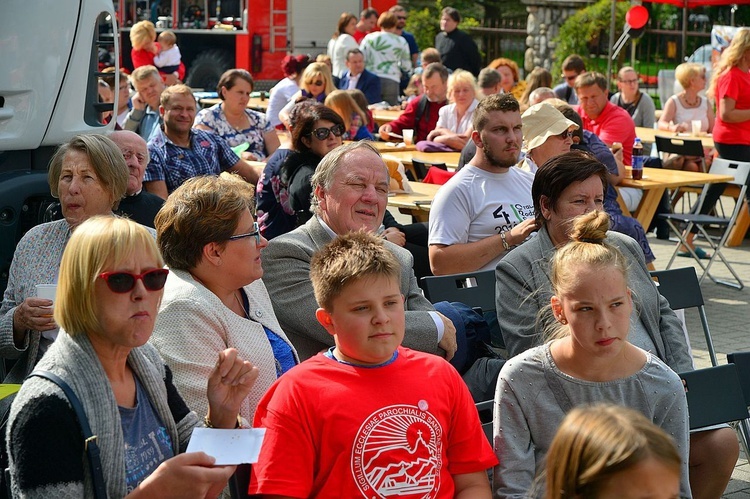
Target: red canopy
[690,4]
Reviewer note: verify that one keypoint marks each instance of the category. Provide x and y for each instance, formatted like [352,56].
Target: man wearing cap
[546,134]
[486,208]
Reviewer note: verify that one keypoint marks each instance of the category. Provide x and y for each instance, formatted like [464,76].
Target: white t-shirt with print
[476,204]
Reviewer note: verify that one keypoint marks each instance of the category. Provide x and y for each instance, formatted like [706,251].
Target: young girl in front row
[588,360]
[609,451]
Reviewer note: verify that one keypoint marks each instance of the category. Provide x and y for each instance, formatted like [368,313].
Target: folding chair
[681,289]
[421,167]
[714,396]
[475,289]
[742,361]
[485,410]
[683,147]
[739,171]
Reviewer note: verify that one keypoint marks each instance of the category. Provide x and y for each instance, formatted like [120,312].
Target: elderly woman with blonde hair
[214,298]
[111,280]
[454,124]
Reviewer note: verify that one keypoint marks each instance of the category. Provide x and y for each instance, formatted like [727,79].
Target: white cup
[408,135]
[46,291]
[696,126]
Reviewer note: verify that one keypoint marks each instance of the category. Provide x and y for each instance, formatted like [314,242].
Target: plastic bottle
[637,160]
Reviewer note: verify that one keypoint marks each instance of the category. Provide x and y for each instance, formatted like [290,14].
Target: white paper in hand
[228,447]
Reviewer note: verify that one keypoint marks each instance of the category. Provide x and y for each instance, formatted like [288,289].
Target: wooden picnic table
[389,147]
[449,158]
[647,136]
[416,203]
[383,116]
[656,181]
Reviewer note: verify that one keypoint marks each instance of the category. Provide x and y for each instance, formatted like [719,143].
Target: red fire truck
[216,35]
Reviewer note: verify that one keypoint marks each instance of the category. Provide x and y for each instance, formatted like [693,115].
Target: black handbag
[89,439]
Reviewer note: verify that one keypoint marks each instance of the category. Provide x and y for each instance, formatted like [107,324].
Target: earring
[563,321]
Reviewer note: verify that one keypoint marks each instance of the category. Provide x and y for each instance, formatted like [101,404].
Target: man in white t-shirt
[486,208]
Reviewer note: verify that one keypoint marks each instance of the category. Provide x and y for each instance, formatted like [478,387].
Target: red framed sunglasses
[123,282]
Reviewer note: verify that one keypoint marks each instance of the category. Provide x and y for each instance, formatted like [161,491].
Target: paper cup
[46,291]
[408,135]
[696,126]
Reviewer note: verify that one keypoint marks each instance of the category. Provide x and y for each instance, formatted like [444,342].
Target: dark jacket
[368,83]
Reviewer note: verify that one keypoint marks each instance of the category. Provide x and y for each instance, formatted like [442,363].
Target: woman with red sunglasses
[215,298]
[108,294]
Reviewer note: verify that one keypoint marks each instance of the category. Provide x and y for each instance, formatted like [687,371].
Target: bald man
[138,204]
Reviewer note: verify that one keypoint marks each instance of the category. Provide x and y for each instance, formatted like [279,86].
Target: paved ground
[727,311]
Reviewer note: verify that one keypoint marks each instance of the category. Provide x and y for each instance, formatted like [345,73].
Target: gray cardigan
[523,288]
[286,262]
[29,427]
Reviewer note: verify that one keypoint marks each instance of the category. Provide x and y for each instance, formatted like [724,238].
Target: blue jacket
[368,83]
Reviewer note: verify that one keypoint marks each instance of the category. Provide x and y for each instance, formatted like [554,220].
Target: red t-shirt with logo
[398,430]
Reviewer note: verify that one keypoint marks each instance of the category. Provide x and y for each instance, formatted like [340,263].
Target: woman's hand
[229,384]
[191,474]
[35,314]
[248,156]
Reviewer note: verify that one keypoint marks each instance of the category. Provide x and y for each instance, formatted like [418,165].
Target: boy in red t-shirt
[368,418]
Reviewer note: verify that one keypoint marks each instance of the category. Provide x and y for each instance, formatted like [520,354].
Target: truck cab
[48,94]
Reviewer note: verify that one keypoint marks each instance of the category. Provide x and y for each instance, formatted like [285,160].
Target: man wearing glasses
[572,66]
[401,16]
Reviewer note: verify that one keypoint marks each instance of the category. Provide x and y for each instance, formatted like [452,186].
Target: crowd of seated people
[180,306]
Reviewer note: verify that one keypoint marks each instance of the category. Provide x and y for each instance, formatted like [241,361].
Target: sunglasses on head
[123,282]
[255,233]
[322,133]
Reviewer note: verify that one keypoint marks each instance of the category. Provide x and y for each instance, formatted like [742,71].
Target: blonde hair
[141,33]
[460,77]
[594,443]
[105,158]
[345,106]
[346,259]
[167,37]
[314,70]
[588,248]
[730,58]
[685,72]
[97,244]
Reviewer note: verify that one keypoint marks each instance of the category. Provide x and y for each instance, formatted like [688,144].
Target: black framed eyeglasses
[124,282]
[322,133]
[255,233]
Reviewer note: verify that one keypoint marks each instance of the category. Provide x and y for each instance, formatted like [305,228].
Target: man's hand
[395,236]
[448,343]
[138,102]
[384,130]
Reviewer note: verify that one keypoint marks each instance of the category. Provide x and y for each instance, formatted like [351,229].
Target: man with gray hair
[489,82]
[138,204]
[541,94]
[144,118]
[350,192]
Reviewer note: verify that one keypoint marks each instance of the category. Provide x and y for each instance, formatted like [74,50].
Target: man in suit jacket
[358,77]
[350,193]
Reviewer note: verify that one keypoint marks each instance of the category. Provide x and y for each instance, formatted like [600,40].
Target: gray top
[533,396]
[523,289]
[286,262]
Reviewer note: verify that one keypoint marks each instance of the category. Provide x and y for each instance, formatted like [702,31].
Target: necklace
[692,104]
[242,305]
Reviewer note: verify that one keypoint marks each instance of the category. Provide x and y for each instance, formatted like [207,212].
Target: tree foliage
[583,32]
[424,18]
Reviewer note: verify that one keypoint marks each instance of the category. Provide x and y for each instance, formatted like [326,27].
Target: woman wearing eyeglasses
[315,134]
[316,83]
[89,176]
[214,297]
[110,286]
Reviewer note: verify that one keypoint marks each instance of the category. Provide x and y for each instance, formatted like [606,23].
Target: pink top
[734,84]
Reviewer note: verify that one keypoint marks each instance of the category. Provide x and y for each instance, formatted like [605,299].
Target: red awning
[691,4]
